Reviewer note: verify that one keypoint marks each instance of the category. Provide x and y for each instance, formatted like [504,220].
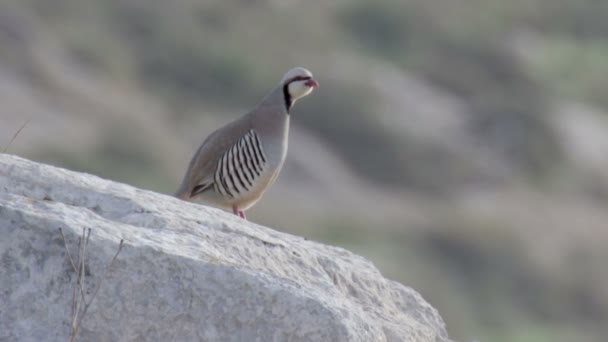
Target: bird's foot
[240,213]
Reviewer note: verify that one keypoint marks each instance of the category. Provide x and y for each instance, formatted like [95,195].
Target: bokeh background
[460,145]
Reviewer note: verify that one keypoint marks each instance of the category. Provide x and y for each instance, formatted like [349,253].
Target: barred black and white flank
[240,166]
[238,162]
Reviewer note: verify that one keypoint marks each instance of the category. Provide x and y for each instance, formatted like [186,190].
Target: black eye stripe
[298,78]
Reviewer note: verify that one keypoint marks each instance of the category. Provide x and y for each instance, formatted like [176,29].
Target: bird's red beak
[311,83]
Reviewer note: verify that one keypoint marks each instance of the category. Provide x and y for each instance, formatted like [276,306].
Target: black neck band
[287,97]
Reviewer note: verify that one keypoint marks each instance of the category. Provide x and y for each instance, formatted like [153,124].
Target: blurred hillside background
[460,145]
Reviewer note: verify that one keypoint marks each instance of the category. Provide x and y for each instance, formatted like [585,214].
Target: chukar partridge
[236,163]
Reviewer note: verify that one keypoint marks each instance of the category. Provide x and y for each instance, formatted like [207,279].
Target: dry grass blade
[65,244]
[103,276]
[78,289]
[80,305]
[15,135]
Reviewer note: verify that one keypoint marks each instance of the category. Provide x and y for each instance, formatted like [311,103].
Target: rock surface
[187,272]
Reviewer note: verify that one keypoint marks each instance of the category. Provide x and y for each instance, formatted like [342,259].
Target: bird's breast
[275,142]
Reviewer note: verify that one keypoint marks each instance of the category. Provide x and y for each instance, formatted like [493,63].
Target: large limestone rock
[187,272]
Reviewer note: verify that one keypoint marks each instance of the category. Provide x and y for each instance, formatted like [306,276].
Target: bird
[238,162]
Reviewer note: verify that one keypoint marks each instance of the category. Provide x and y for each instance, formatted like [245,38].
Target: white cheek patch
[297,89]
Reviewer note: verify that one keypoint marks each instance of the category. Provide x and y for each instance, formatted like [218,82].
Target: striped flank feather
[240,166]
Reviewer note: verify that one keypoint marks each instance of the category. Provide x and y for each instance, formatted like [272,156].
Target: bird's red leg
[236,211]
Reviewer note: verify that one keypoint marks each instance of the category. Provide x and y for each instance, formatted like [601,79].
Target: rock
[186,273]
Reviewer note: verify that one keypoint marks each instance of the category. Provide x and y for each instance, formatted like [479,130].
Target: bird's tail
[182,193]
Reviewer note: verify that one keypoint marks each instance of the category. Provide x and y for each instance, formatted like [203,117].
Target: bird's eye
[299,78]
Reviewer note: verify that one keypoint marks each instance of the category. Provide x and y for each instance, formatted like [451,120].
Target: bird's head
[297,83]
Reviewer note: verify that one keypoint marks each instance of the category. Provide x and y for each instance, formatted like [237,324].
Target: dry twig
[80,305]
[15,135]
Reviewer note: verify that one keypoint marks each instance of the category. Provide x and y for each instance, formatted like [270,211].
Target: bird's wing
[200,174]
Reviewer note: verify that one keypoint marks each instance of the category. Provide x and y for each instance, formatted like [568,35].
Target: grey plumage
[238,162]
